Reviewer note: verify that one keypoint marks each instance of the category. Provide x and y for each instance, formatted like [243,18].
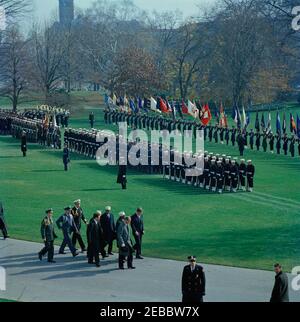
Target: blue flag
[278,124]
[132,106]
[263,123]
[298,126]
[284,124]
[257,126]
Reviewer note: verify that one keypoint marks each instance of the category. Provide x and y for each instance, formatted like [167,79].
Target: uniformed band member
[78,216]
[92,119]
[95,239]
[137,225]
[3,227]
[66,223]
[280,291]
[24,143]
[250,172]
[48,236]
[124,243]
[108,225]
[193,282]
[66,157]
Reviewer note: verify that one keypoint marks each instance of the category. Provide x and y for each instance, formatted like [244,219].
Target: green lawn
[245,230]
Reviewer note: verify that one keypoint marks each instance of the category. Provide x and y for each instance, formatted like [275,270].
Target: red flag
[163,106]
[223,118]
[185,109]
[206,116]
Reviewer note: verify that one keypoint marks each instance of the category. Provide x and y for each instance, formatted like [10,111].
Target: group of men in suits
[213,133]
[102,230]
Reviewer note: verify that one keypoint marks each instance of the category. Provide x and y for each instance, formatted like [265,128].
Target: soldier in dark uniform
[92,119]
[285,144]
[251,139]
[137,225]
[193,282]
[271,142]
[3,227]
[24,143]
[278,143]
[257,142]
[78,216]
[280,291]
[242,175]
[233,136]
[66,156]
[95,239]
[234,173]
[227,136]
[265,142]
[250,171]
[48,236]
[220,176]
[241,143]
[122,176]
[292,147]
[108,225]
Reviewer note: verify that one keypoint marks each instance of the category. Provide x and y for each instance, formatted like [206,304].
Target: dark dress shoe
[90,263]
[139,257]
[83,250]
[75,254]
[111,254]
[52,261]
[121,268]
[40,257]
[98,265]
[132,267]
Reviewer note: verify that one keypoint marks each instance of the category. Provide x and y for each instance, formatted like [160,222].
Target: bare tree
[13,63]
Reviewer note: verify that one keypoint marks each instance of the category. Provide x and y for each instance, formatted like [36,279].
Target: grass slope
[245,230]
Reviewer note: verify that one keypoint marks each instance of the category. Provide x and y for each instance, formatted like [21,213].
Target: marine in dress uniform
[48,236]
[66,157]
[78,216]
[242,175]
[250,171]
[193,282]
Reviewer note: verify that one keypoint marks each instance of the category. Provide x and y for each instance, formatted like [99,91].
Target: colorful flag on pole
[205,115]
[278,124]
[293,124]
[163,106]
[223,117]
[185,109]
[263,123]
[284,123]
[269,126]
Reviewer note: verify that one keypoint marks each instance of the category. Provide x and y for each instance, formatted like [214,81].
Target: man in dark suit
[137,225]
[193,282]
[3,227]
[66,157]
[108,225]
[78,216]
[48,236]
[95,239]
[122,176]
[280,291]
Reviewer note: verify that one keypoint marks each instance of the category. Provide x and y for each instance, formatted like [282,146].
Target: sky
[44,9]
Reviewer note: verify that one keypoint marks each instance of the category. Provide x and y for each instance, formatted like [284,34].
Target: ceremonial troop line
[241,137]
[5,121]
[102,230]
[219,173]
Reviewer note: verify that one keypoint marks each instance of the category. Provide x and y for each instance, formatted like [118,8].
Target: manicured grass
[245,230]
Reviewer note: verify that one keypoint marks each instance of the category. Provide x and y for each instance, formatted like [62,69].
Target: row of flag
[203,113]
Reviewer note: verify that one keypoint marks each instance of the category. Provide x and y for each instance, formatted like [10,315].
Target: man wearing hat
[78,216]
[67,225]
[48,236]
[242,175]
[137,225]
[193,282]
[3,227]
[108,225]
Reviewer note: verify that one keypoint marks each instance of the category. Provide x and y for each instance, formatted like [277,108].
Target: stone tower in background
[66,12]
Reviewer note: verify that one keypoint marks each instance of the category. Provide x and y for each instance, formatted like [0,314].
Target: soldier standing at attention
[252,139]
[24,143]
[193,282]
[48,235]
[280,291]
[122,179]
[92,119]
[250,171]
[78,216]
[2,222]
[67,225]
[66,156]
